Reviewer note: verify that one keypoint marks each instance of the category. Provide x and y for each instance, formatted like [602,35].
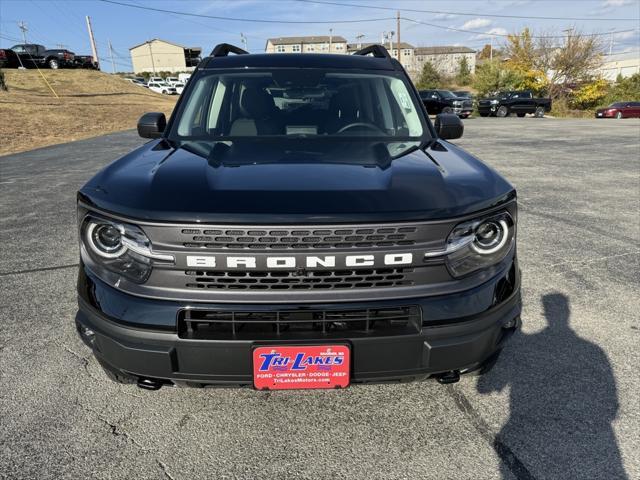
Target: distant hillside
[91,103]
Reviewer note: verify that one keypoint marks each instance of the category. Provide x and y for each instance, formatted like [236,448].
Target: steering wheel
[370,126]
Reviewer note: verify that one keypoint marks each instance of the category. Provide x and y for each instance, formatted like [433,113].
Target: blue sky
[52,22]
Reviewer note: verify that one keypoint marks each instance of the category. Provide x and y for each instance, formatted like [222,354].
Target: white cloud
[624,35]
[616,3]
[476,23]
[492,32]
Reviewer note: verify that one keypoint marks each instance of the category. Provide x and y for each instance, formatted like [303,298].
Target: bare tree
[574,62]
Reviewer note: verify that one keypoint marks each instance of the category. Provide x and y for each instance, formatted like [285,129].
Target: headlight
[120,247]
[479,243]
[457,104]
[495,102]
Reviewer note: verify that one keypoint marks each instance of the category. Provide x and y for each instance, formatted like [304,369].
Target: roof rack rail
[224,49]
[378,51]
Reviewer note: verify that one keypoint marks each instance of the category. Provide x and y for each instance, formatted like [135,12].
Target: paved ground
[561,403]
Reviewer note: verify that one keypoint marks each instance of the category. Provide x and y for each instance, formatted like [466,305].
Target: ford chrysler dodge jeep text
[297,223]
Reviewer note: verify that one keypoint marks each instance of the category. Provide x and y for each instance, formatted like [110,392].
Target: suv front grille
[317,238]
[291,280]
[291,324]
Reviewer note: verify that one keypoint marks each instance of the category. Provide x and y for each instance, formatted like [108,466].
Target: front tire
[539,112]
[53,64]
[502,112]
[447,110]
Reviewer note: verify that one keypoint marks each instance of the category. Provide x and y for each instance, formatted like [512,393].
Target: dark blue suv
[297,223]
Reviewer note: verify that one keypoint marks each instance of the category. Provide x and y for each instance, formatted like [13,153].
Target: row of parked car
[501,105]
[166,86]
[504,104]
[32,55]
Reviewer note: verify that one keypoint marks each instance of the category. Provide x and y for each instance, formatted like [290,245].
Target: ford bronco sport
[297,223]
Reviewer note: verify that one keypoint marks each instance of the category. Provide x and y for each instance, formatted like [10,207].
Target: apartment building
[312,44]
[406,52]
[445,59]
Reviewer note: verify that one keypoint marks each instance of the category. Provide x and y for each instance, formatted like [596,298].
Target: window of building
[280,48]
[339,47]
[406,52]
[295,48]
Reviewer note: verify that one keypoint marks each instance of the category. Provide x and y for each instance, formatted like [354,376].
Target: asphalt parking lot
[562,402]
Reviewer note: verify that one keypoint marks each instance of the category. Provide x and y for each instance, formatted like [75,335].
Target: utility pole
[398,30]
[243,40]
[23,27]
[611,44]
[94,50]
[153,65]
[113,65]
[359,38]
[330,38]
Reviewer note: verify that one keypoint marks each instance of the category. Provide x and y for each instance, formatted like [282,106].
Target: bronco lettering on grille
[291,262]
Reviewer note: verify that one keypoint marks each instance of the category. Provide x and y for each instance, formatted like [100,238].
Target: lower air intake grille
[291,280]
[298,324]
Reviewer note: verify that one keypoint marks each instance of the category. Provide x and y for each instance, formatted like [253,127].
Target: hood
[167,184]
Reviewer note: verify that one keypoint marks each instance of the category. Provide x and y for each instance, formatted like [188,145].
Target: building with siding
[161,56]
[312,44]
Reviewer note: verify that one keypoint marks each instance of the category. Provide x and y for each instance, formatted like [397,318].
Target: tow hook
[149,384]
[448,377]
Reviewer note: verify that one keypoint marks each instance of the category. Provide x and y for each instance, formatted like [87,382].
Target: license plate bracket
[287,367]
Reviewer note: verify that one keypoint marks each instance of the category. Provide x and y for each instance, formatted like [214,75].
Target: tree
[464,72]
[485,53]
[493,76]
[429,77]
[590,94]
[574,63]
[520,51]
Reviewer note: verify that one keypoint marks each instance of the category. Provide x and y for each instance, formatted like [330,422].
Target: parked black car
[443,101]
[325,235]
[519,102]
[85,61]
[31,55]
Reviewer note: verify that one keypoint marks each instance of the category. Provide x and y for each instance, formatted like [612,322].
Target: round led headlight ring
[105,239]
[491,235]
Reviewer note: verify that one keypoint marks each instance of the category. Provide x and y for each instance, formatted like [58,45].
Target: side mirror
[448,126]
[152,125]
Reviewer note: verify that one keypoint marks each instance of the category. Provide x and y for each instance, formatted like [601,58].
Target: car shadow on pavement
[562,401]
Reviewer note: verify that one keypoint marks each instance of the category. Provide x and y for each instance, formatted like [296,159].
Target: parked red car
[620,110]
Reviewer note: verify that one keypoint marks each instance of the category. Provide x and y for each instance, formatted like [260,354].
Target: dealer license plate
[301,367]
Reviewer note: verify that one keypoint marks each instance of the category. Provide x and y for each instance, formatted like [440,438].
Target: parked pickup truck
[263,241]
[443,101]
[31,55]
[519,102]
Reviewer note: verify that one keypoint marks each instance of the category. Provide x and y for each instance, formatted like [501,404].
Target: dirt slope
[91,103]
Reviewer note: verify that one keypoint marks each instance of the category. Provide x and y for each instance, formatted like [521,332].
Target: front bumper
[463,111]
[460,332]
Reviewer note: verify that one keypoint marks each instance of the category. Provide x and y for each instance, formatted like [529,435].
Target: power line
[252,20]
[466,14]
[434,25]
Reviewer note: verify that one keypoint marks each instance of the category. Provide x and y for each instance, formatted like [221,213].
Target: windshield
[298,103]
[446,94]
